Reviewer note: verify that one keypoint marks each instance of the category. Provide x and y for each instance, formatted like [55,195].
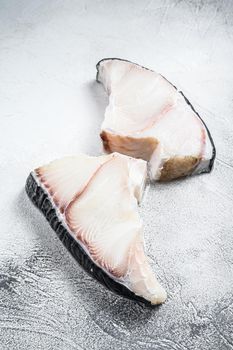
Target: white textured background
[50,106]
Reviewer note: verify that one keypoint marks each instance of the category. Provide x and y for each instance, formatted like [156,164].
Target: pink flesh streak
[79,235]
[81,192]
[156,118]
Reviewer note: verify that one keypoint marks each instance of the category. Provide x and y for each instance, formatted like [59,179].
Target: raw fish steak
[92,204]
[148,118]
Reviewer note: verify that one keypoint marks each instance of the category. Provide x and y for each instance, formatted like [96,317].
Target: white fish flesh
[92,204]
[148,118]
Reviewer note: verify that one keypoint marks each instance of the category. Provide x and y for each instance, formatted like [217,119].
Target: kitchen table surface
[51,106]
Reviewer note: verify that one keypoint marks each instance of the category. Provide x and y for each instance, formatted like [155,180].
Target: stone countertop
[50,106]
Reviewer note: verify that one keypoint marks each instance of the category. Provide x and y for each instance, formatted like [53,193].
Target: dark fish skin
[117,59]
[211,162]
[41,200]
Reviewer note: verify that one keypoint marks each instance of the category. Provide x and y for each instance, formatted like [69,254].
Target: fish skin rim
[212,159]
[41,200]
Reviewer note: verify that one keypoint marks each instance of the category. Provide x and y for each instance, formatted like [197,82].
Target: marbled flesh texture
[91,203]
